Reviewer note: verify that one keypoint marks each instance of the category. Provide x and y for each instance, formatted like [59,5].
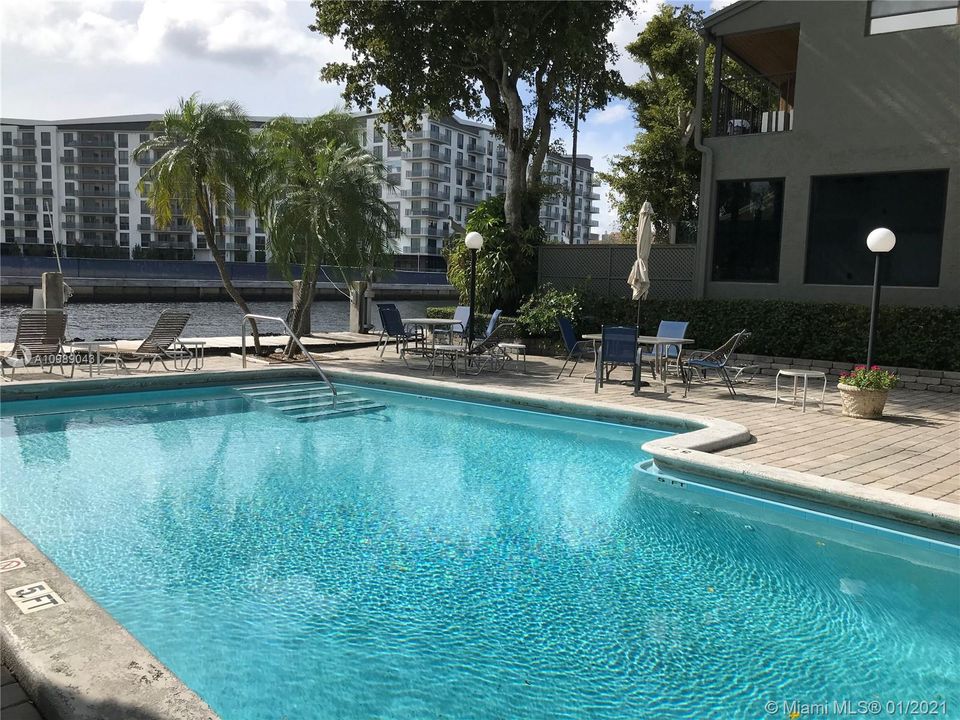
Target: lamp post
[473,241]
[880,242]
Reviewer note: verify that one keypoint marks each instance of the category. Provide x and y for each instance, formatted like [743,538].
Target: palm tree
[319,193]
[205,153]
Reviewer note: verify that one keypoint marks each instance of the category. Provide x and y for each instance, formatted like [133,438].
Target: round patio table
[431,324]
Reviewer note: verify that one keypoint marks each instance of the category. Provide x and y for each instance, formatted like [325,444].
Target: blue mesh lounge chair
[618,346]
[671,329]
[492,325]
[393,329]
[716,361]
[576,349]
[462,317]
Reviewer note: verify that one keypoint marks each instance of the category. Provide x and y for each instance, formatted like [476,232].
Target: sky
[64,59]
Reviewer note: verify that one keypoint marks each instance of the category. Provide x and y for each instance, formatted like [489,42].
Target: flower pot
[862,402]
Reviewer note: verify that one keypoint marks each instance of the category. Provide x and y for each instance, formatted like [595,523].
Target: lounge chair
[394,329]
[492,325]
[576,349]
[39,341]
[161,344]
[618,346]
[485,354]
[716,361]
[671,329]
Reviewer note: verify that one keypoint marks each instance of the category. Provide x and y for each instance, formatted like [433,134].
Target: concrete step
[319,403]
[294,392]
[366,406]
[279,387]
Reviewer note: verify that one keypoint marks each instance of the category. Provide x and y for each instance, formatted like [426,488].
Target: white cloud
[624,32]
[611,114]
[94,32]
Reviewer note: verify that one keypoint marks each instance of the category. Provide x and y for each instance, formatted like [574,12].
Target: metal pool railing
[292,336]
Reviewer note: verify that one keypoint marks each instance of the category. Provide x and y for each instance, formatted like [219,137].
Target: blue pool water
[441,559]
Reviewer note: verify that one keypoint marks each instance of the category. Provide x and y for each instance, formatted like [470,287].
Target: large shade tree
[661,165]
[319,193]
[202,171]
[507,62]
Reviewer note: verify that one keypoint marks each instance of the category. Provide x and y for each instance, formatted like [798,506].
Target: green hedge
[916,337]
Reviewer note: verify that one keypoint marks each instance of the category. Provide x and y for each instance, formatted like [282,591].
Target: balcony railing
[91,142]
[477,148]
[25,176]
[95,210]
[502,154]
[433,173]
[26,208]
[18,158]
[25,142]
[438,136]
[73,225]
[755,104]
[427,153]
[427,212]
[90,176]
[429,232]
[426,193]
[475,184]
[470,165]
[466,200]
[93,160]
[33,192]
[30,224]
[82,192]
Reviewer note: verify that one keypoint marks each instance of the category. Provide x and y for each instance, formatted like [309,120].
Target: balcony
[594,196]
[94,210]
[91,142]
[28,224]
[470,165]
[25,142]
[435,135]
[428,154]
[73,225]
[18,158]
[756,86]
[92,160]
[478,148]
[428,232]
[33,192]
[475,184]
[428,212]
[431,173]
[466,200]
[25,176]
[83,192]
[426,193]
[26,208]
[501,154]
[90,176]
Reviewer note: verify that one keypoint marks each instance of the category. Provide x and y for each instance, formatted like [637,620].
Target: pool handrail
[292,336]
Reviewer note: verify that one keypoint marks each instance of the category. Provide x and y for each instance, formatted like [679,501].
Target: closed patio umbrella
[639,278]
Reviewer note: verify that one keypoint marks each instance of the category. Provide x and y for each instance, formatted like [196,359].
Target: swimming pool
[439,558]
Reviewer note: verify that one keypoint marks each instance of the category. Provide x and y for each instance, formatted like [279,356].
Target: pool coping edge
[75,661]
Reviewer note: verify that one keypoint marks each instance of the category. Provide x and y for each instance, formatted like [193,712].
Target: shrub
[915,337]
[538,315]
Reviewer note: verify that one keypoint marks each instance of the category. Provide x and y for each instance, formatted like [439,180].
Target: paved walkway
[915,449]
[14,703]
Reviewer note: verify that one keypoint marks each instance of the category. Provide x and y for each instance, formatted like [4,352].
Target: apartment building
[450,165]
[75,182]
[832,119]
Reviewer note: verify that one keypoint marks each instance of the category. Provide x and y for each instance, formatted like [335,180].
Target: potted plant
[863,391]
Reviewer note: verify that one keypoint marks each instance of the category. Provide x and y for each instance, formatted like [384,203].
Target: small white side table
[796,375]
[519,350]
[196,354]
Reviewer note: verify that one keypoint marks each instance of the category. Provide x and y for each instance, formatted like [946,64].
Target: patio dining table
[659,344]
[431,325]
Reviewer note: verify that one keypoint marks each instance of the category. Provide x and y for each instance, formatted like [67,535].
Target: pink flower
[859,367]
[874,367]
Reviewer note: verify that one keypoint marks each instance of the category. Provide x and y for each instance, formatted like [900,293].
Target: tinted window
[746,244]
[843,211]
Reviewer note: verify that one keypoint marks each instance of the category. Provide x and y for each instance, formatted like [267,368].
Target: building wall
[470,168]
[864,104]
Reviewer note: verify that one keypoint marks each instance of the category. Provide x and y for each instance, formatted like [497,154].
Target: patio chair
[672,329]
[39,341]
[576,349]
[161,344]
[716,361]
[394,329]
[618,346]
[462,317]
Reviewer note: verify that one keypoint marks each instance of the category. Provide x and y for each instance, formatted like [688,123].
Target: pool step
[307,400]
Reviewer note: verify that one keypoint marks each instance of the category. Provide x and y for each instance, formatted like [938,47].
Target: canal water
[131,321]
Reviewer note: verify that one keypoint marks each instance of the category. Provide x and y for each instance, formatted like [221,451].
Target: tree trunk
[308,287]
[209,234]
[573,170]
[517,159]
